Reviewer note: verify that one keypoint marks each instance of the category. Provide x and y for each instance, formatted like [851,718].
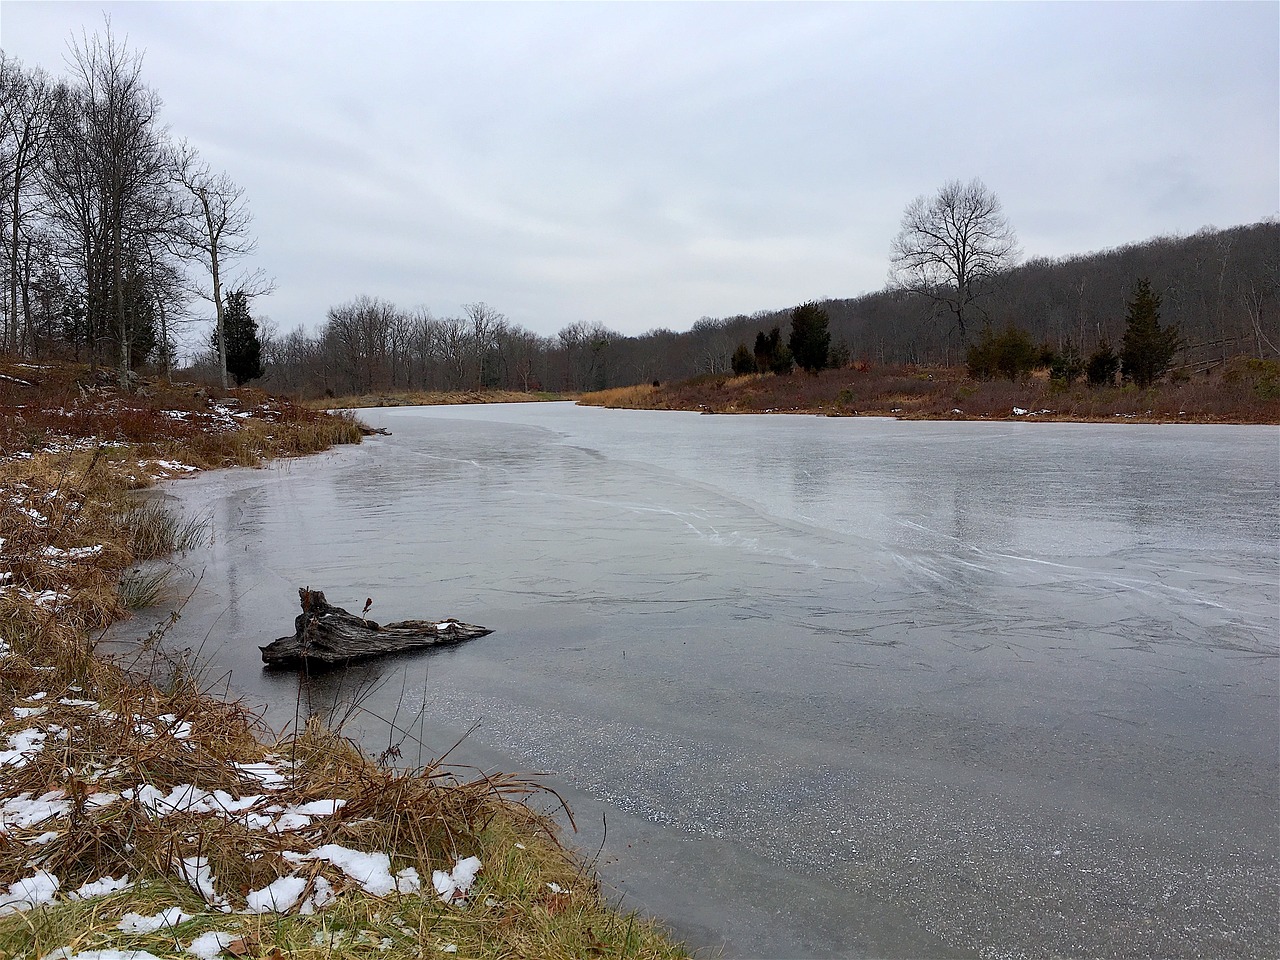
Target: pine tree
[810,339]
[1148,348]
[1103,364]
[244,349]
[743,361]
[1067,364]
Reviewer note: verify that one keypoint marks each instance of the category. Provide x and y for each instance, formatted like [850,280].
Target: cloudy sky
[644,165]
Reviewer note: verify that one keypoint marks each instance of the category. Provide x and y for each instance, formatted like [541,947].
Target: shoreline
[1243,393]
[169,818]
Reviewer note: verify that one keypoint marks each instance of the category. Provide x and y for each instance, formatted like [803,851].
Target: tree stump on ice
[325,634]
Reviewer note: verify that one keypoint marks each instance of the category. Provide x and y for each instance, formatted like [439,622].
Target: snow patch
[455,884]
[136,923]
[279,896]
[209,945]
[34,891]
[100,888]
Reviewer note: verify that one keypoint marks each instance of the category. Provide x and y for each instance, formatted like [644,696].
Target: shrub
[1011,355]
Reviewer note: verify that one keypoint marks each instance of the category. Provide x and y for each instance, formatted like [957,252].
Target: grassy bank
[138,812]
[422,398]
[1242,392]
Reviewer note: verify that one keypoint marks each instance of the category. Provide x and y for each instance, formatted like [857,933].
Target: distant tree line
[1218,290]
[111,229]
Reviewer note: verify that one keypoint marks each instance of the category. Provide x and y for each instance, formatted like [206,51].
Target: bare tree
[26,102]
[952,247]
[125,151]
[486,328]
[214,227]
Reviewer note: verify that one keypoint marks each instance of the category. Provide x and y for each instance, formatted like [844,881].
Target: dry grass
[1246,392]
[111,738]
[422,398]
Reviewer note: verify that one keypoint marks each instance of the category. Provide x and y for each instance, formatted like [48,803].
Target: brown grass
[422,398]
[1244,393]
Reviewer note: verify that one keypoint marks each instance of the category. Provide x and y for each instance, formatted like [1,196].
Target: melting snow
[209,945]
[100,888]
[31,892]
[136,923]
[22,746]
[455,884]
[197,872]
[371,870]
[279,896]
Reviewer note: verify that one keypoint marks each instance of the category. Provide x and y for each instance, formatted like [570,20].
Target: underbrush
[1246,392]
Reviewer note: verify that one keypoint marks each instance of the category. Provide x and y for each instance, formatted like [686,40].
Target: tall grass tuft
[156,532]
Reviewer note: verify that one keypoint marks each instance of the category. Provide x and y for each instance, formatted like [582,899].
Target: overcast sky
[644,165]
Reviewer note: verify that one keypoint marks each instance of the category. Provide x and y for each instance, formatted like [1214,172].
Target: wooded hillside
[1220,287]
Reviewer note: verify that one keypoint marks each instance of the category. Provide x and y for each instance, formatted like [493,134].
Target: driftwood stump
[325,634]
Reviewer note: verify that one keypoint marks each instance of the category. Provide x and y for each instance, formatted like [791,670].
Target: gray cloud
[644,165]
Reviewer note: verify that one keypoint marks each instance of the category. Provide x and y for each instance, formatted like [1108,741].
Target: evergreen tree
[1148,348]
[743,361]
[810,339]
[840,355]
[1066,365]
[771,354]
[244,349]
[1103,365]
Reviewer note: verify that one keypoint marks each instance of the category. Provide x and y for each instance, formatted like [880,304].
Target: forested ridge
[1221,288]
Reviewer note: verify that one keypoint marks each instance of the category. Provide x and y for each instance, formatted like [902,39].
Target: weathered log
[325,634]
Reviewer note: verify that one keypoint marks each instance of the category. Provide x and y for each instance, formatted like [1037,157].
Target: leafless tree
[26,101]
[126,155]
[214,227]
[953,246]
[486,326]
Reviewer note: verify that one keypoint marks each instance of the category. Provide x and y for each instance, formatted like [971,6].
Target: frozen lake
[819,687]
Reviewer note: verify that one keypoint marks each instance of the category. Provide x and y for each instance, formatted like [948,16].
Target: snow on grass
[451,885]
[23,745]
[100,888]
[265,772]
[22,811]
[199,875]
[371,870]
[34,891]
[136,923]
[279,896]
[209,945]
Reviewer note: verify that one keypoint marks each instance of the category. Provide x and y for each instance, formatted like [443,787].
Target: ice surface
[964,645]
